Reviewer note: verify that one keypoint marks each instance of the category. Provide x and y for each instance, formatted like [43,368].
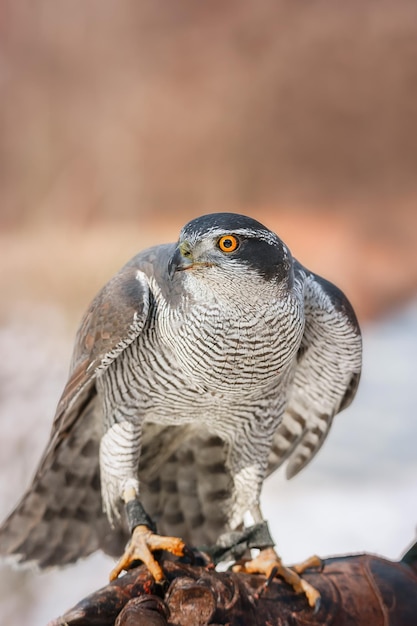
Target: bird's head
[222,246]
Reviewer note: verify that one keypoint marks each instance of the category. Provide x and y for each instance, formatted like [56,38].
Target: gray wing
[60,516]
[326,376]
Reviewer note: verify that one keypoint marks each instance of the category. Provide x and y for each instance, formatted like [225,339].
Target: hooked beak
[183,259]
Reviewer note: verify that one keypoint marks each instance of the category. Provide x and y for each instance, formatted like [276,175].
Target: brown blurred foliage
[301,114]
[119,108]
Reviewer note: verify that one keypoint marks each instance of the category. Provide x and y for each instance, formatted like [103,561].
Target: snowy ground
[359,494]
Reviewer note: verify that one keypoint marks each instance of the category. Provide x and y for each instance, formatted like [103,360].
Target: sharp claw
[202,558]
[189,554]
[267,583]
[272,574]
[317,605]
[116,571]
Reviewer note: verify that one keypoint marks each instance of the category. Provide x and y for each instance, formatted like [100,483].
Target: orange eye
[228,243]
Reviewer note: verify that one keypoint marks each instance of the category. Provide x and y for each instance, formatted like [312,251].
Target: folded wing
[326,377]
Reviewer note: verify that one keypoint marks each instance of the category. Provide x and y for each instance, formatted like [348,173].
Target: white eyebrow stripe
[264,234]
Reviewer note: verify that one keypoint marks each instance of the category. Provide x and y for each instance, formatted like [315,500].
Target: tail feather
[188,494]
[60,517]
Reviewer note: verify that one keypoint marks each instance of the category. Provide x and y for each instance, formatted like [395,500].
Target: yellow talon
[267,561]
[140,547]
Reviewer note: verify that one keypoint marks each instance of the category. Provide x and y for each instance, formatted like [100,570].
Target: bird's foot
[313,562]
[268,563]
[140,547]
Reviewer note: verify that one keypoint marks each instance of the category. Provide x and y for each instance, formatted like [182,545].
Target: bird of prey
[198,369]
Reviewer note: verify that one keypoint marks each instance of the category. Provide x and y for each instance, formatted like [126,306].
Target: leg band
[233,545]
[137,516]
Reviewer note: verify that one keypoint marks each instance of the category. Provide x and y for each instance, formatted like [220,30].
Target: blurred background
[121,121]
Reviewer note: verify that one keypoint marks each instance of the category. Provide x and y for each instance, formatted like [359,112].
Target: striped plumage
[196,372]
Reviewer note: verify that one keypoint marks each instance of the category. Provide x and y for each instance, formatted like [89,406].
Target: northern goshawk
[198,369]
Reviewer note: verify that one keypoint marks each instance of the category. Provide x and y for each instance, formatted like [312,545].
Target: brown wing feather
[115,318]
[60,517]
